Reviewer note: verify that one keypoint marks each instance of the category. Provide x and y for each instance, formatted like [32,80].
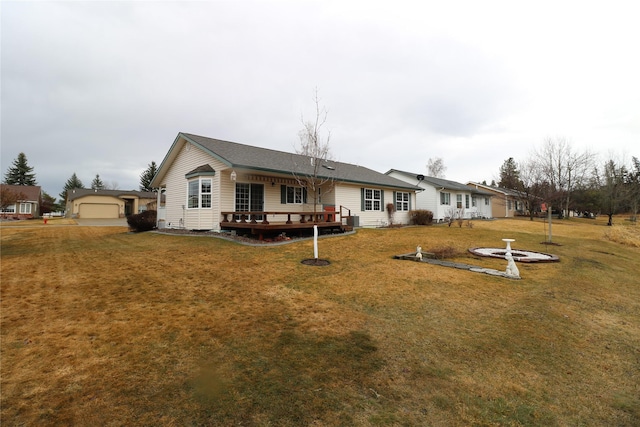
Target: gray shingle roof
[444,183]
[263,159]
[30,193]
[82,192]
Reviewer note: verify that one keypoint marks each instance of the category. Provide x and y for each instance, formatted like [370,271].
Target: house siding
[429,199]
[499,202]
[350,197]
[189,158]
[184,157]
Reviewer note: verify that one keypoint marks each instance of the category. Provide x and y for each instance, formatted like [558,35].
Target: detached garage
[107,204]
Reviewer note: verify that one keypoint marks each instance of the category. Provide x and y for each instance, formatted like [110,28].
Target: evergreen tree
[72,182]
[147,176]
[48,203]
[509,175]
[97,183]
[633,184]
[20,173]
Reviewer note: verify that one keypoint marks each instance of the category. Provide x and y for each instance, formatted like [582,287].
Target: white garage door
[98,210]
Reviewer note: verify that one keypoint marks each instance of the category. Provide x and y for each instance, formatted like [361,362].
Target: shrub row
[143,221]
[421,217]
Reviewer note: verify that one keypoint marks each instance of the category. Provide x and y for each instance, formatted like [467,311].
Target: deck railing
[262,217]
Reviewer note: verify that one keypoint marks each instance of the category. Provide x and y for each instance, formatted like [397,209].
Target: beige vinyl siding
[272,195]
[189,158]
[350,196]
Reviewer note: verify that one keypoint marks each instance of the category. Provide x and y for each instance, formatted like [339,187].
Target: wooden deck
[261,223]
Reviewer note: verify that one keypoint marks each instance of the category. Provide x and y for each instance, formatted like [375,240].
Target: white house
[447,199]
[210,184]
[506,203]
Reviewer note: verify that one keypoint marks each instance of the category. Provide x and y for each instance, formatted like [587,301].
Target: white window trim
[373,199]
[199,195]
[445,198]
[296,192]
[25,208]
[401,203]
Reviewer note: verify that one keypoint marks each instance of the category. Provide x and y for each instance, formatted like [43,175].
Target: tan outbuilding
[94,204]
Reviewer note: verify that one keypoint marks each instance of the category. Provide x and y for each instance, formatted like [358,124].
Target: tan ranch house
[105,204]
[210,184]
[506,203]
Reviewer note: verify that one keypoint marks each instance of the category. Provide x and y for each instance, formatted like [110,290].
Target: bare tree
[9,197]
[563,169]
[531,187]
[436,167]
[111,185]
[316,175]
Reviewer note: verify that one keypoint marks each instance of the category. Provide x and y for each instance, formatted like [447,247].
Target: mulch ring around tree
[315,261]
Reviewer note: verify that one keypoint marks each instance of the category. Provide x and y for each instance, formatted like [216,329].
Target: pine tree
[48,203]
[509,175]
[20,173]
[97,183]
[147,176]
[73,182]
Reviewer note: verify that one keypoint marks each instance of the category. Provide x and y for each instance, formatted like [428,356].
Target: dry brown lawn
[104,327]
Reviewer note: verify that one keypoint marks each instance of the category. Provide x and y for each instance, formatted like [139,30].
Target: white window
[474,201]
[295,195]
[402,201]
[242,197]
[192,195]
[466,201]
[372,199]
[459,201]
[9,209]
[25,208]
[445,198]
[205,193]
[199,193]
[486,201]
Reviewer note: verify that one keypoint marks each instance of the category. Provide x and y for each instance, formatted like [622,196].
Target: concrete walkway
[473,268]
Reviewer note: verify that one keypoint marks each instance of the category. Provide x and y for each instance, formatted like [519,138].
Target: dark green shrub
[421,217]
[144,221]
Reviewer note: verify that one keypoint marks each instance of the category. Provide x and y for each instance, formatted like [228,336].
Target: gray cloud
[104,87]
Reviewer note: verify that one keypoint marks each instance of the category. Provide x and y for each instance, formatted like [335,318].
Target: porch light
[233,175]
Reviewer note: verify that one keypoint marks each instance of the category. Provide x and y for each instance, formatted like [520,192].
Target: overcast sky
[104,87]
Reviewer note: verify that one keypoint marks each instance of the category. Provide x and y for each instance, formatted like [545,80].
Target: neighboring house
[447,199]
[88,203]
[211,184]
[506,203]
[28,204]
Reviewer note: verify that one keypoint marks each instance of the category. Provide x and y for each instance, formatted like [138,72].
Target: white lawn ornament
[419,253]
[512,269]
